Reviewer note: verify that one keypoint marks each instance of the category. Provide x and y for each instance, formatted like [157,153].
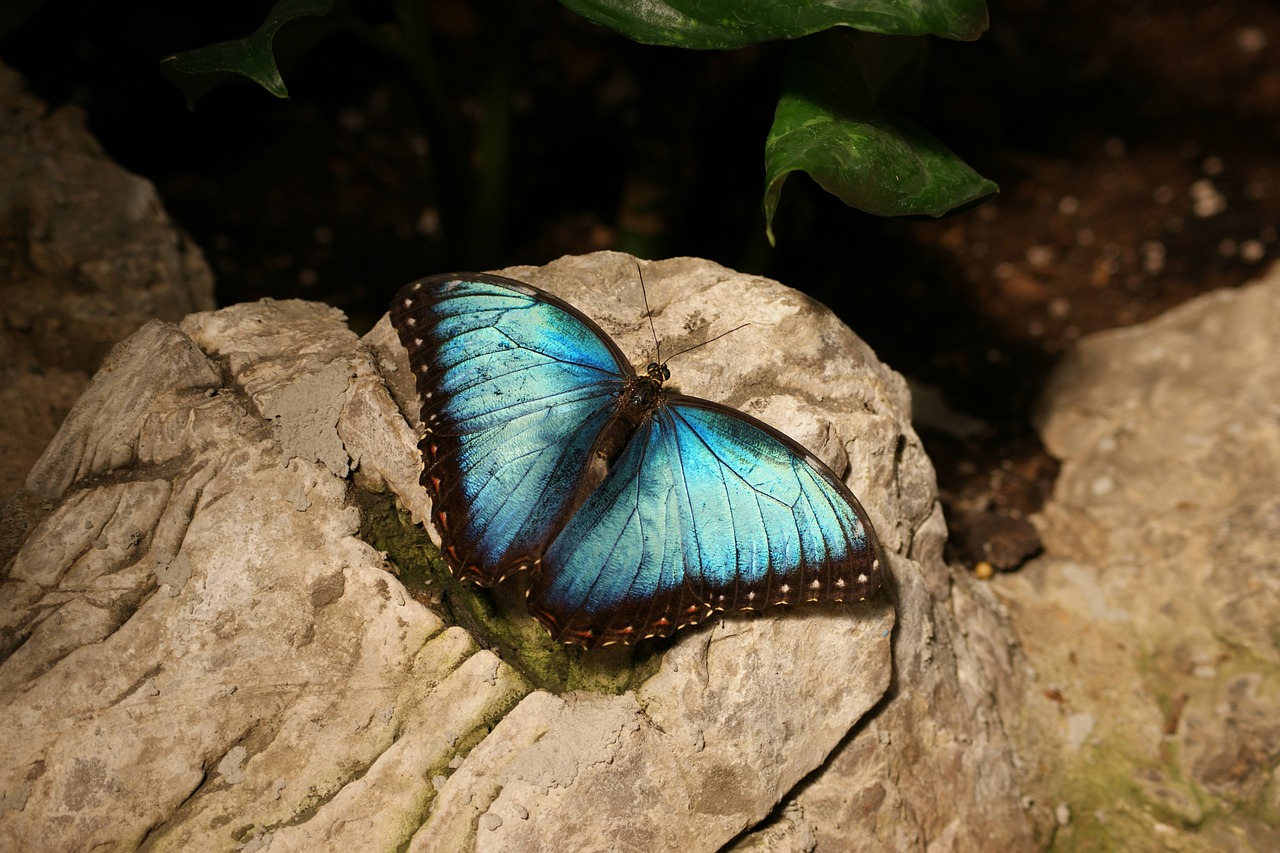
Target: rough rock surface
[88,255]
[200,653]
[1151,620]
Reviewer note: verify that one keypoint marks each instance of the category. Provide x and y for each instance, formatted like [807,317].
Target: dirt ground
[1137,147]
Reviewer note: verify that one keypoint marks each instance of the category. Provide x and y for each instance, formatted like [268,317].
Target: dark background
[1137,146]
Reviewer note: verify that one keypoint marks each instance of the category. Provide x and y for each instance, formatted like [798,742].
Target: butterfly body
[638,510]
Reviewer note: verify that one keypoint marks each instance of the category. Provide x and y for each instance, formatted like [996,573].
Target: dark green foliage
[198,71]
[828,122]
[724,24]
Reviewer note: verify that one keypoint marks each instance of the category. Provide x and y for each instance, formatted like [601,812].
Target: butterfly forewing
[515,391]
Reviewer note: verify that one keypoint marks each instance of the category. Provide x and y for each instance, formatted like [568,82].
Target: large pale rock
[195,628]
[933,764]
[202,654]
[87,255]
[1151,621]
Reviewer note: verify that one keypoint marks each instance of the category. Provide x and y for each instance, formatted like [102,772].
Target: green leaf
[829,125]
[198,71]
[724,24]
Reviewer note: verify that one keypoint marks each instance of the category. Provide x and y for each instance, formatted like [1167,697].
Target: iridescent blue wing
[516,387]
[707,509]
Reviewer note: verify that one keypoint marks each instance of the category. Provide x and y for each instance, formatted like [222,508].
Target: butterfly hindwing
[707,509]
[516,388]
[616,573]
[771,524]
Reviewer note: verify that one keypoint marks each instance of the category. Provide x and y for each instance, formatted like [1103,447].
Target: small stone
[1153,255]
[1040,256]
[1206,200]
[998,541]
[1251,40]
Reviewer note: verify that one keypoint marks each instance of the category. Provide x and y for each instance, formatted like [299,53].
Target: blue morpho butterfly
[640,511]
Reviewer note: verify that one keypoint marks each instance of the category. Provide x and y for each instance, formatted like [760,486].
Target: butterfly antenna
[709,340]
[657,347]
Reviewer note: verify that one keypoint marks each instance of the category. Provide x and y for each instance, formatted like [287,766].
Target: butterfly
[638,511]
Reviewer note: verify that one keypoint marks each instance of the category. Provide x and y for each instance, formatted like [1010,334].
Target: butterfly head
[644,393]
[657,372]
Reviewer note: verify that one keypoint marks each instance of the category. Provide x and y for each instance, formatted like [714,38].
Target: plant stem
[487,226]
[409,44]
